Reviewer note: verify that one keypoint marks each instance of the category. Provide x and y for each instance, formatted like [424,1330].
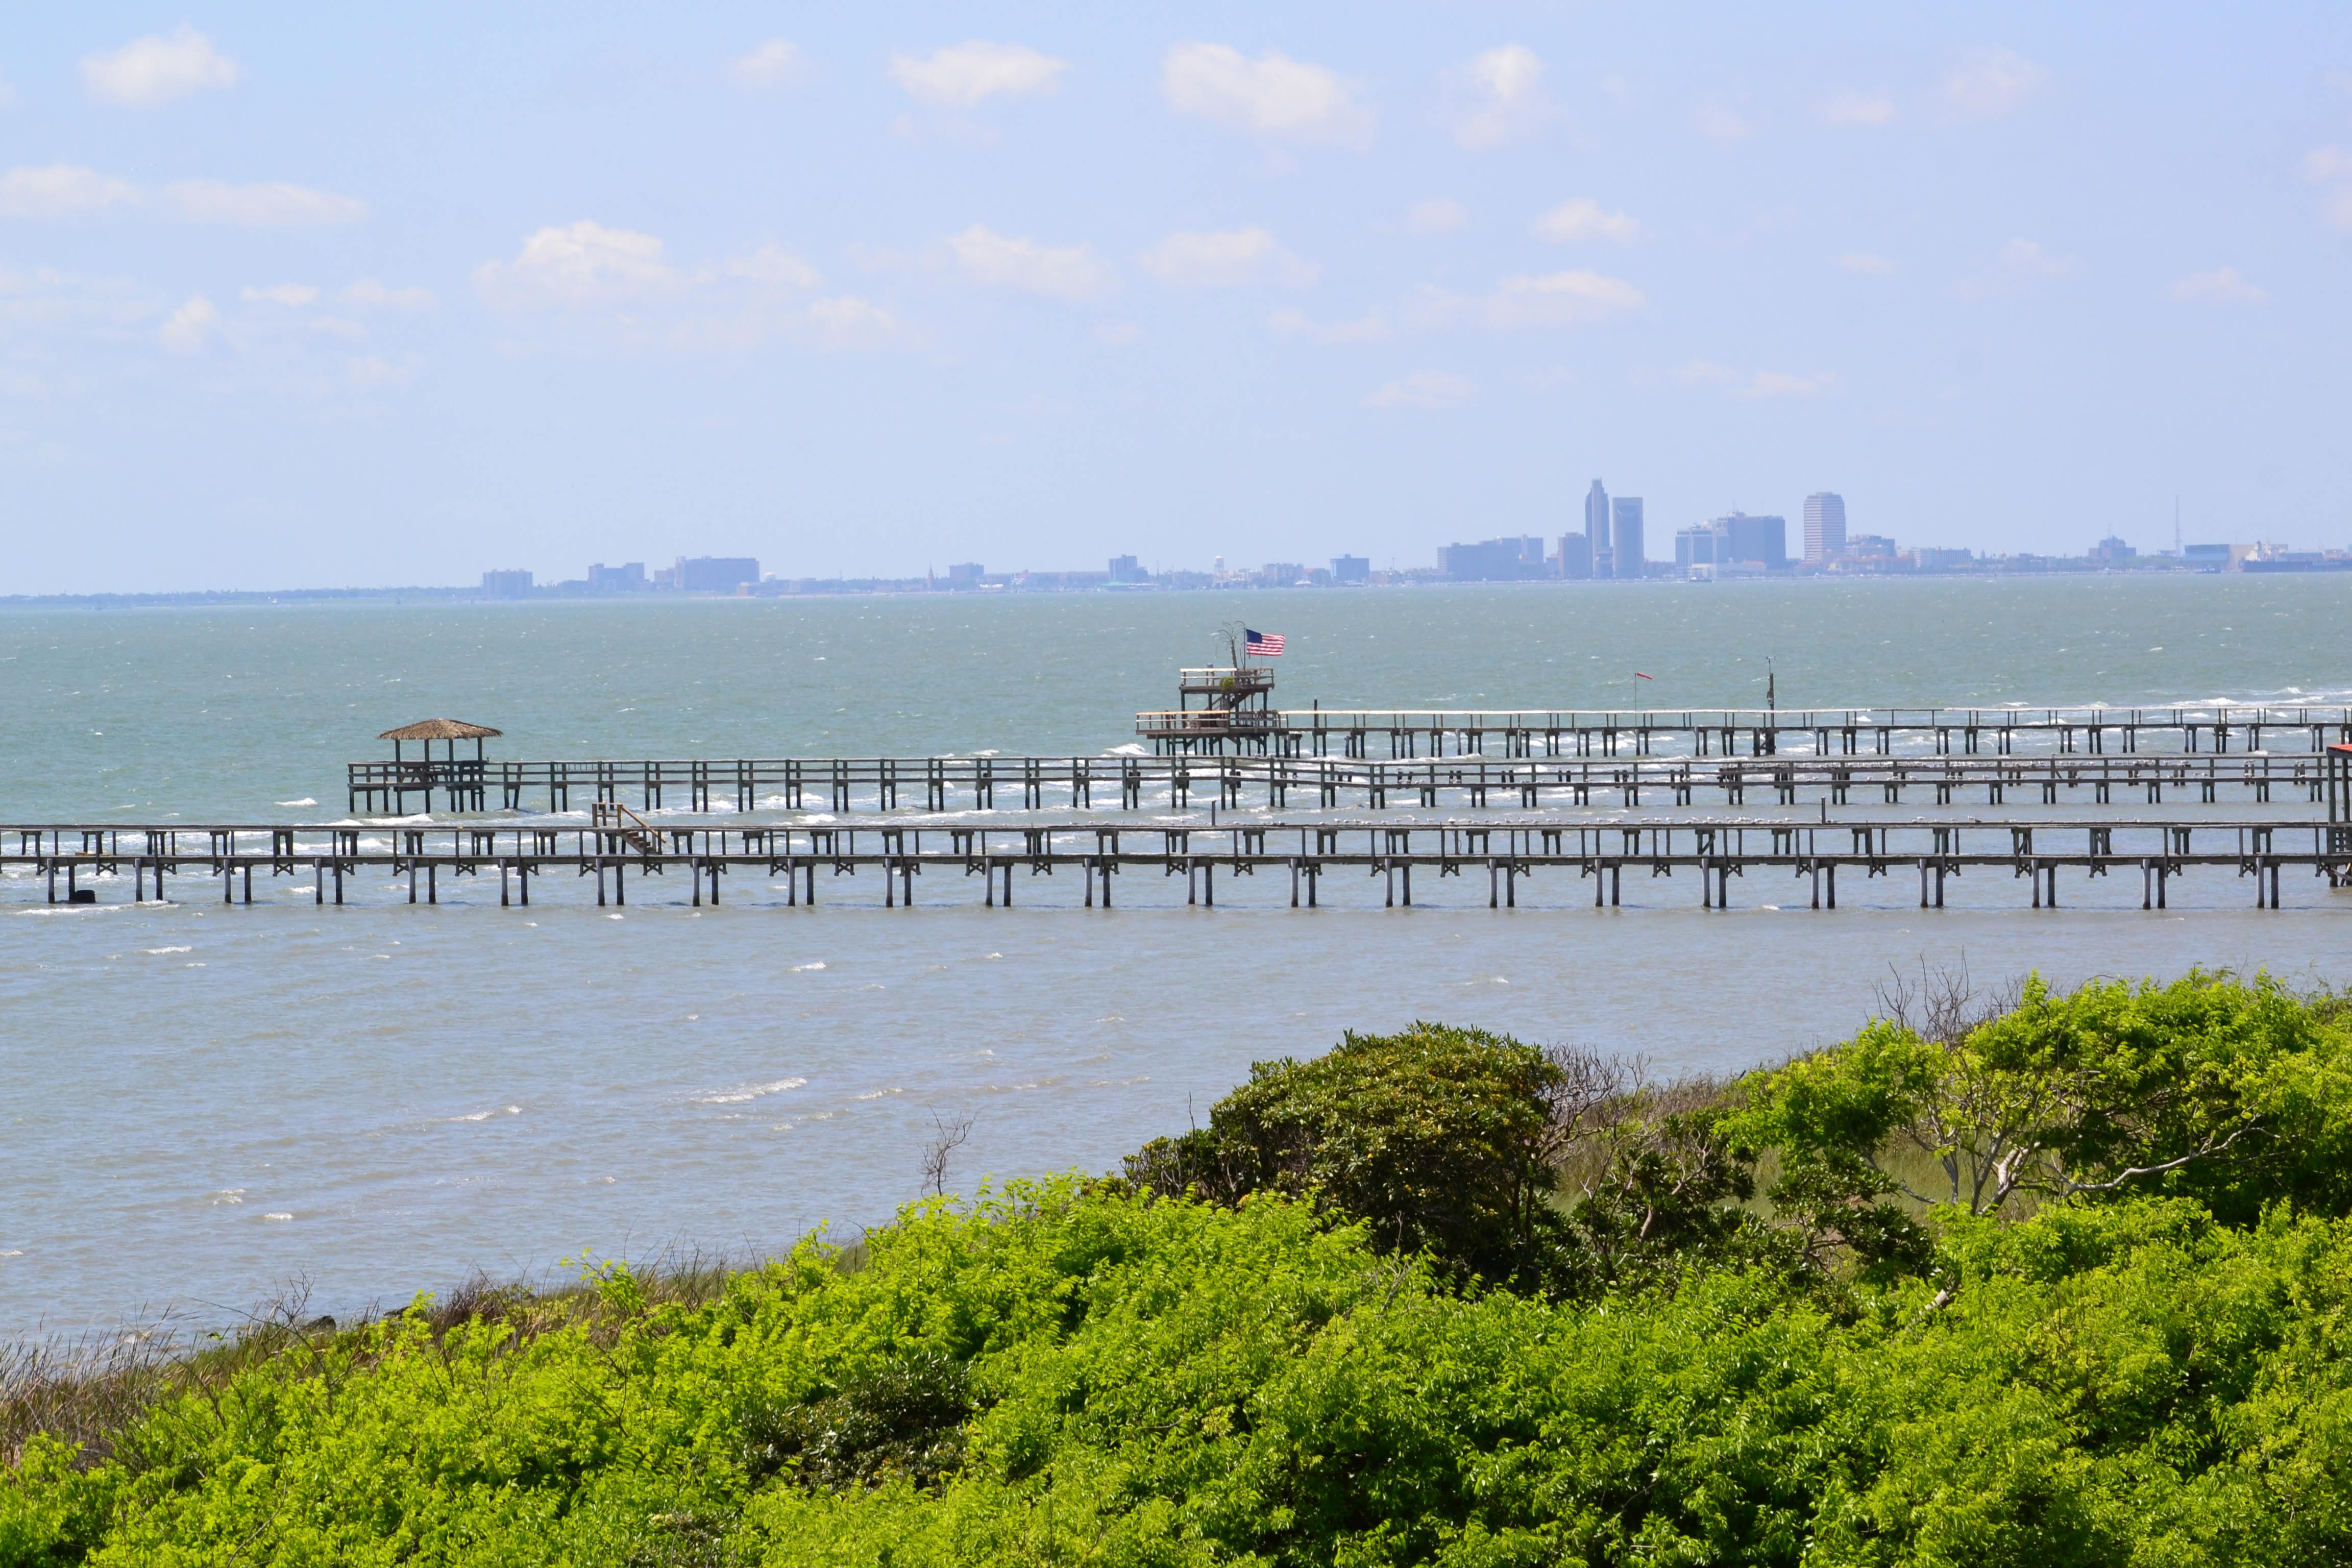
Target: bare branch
[950,1134]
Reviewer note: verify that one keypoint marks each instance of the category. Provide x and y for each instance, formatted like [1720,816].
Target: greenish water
[199,1103]
[229,712]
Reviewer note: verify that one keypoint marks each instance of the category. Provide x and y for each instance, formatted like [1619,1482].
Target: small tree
[1441,1140]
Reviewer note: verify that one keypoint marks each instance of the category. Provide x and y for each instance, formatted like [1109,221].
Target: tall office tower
[1575,555]
[1596,527]
[1825,527]
[1625,558]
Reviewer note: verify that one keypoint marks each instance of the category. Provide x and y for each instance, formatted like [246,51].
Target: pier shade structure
[459,781]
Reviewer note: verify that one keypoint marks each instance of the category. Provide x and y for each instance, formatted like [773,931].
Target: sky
[323,296]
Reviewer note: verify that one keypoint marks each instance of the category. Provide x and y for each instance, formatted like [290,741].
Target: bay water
[200,1104]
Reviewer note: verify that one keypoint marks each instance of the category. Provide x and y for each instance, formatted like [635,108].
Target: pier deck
[1760,732]
[1462,780]
[1100,850]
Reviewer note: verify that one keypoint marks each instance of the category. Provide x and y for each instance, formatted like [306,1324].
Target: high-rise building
[1763,540]
[1123,569]
[1625,556]
[1493,560]
[506,585]
[629,578]
[1825,527]
[1596,527]
[716,574]
[1352,568]
[1576,555]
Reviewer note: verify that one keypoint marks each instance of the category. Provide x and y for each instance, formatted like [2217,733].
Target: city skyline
[862,287]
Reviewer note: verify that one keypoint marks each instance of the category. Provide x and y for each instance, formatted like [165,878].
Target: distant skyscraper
[1625,556]
[1763,540]
[1596,527]
[1575,555]
[1825,527]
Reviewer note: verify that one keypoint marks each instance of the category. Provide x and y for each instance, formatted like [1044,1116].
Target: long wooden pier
[1460,781]
[181,861]
[1760,732]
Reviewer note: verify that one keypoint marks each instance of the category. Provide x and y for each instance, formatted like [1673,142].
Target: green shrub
[2155,1370]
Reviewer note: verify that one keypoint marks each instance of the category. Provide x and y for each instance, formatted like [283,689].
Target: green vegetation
[2066,1281]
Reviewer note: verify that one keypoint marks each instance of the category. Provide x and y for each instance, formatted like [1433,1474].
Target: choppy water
[199,1103]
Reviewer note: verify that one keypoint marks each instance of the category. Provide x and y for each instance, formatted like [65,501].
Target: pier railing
[2092,728]
[159,855]
[1183,779]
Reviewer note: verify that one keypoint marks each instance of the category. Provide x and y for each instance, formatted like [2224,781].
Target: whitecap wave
[750,1091]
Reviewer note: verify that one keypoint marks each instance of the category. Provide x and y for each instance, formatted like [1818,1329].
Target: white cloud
[2222,286]
[1866,261]
[1558,298]
[1272,95]
[2333,165]
[1718,121]
[846,319]
[772,264]
[778,62]
[293,296]
[962,75]
[154,70]
[1065,272]
[577,264]
[1422,389]
[276,205]
[1372,327]
[1584,219]
[1989,83]
[1436,215]
[2016,271]
[2027,258]
[374,370]
[1226,260]
[1857,108]
[1760,384]
[190,325]
[368,291]
[61,190]
[1498,97]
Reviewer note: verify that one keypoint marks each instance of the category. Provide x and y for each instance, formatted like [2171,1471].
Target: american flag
[1265,644]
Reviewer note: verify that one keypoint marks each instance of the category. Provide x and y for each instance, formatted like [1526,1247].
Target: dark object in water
[82,896]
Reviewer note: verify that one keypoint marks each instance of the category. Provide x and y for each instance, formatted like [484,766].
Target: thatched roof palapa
[440,730]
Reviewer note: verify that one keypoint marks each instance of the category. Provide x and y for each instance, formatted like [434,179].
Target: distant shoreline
[885,589]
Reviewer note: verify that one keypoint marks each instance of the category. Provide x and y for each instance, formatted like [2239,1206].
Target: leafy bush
[2150,1370]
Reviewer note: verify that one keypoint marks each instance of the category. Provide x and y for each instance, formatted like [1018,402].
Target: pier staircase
[617,821]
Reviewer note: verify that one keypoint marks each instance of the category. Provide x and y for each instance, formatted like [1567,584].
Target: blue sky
[298,296]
